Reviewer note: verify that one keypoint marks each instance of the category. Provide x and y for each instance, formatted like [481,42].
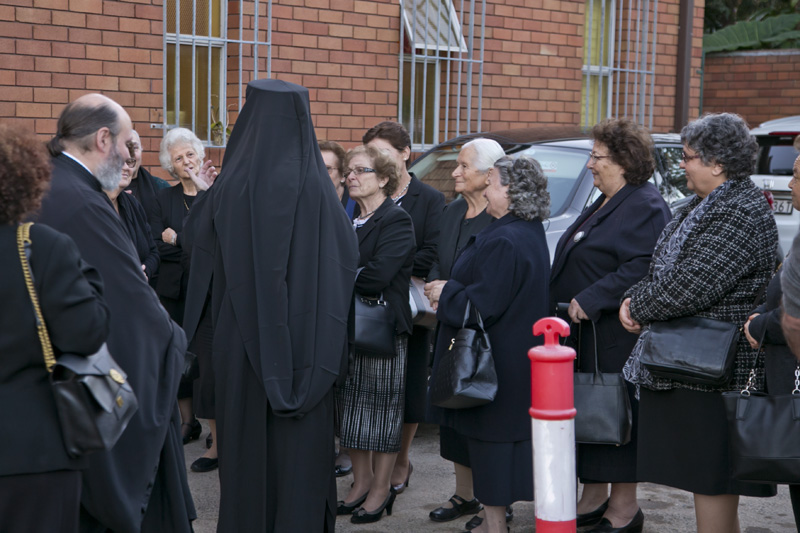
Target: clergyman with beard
[140,484]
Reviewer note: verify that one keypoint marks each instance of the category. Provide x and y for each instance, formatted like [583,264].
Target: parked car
[776,156]
[563,154]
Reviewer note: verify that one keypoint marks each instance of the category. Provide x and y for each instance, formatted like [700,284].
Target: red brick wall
[344,51]
[759,85]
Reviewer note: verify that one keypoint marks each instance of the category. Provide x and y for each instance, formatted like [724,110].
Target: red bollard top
[551,372]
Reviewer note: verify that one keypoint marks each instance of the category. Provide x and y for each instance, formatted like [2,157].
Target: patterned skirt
[370,403]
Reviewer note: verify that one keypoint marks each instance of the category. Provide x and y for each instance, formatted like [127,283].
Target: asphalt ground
[666,510]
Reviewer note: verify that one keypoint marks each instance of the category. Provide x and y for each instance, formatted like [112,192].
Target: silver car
[563,153]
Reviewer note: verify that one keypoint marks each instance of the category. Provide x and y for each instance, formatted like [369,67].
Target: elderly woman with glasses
[182,155]
[712,261]
[370,403]
[134,219]
[502,273]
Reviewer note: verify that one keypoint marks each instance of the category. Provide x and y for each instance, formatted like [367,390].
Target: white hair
[487,151]
[174,137]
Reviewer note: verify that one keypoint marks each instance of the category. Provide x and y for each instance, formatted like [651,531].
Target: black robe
[275,244]
[140,485]
[134,219]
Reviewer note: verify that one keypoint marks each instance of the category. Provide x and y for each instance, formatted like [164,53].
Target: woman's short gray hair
[723,139]
[527,187]
[487,152]
[173,138]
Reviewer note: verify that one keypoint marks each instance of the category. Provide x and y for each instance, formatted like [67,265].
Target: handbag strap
[594,338]
[24,247]
[466,316]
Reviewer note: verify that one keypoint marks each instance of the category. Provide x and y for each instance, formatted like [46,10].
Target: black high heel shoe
[398,489]
[361,516]
[193,431]
[348,508]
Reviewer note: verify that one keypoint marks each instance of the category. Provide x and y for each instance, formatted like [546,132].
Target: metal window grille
[441,69]
[619,60]
[201,45]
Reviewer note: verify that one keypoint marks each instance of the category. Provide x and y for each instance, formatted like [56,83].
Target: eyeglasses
[358,171]
[687,157]
[130,162]
[596,157]
[330,169]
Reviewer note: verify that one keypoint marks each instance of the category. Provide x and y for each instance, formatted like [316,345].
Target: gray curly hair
[173,138]
[527,187]
[723,139]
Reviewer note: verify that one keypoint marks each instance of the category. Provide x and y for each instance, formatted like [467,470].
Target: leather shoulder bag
[692,349]
[762,433]
[93,398]
[603,408]
[465,376]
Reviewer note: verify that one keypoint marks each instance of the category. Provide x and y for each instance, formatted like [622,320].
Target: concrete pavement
[666,510]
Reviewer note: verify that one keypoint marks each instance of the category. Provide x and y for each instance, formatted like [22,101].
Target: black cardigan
[386,248]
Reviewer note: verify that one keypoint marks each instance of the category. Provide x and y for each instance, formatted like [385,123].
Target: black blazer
[173,273]
[612,253]
[425,205]
[451,221]
[386,249]
[70,297]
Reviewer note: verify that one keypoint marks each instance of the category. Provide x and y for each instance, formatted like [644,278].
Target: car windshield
[562,166]
[776,155]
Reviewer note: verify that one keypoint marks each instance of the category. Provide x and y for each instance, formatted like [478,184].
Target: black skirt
[453,446]
[683,443]
[502,472]
[203,391]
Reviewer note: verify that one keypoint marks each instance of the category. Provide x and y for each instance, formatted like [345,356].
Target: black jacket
[386,248]
[173,273]
[134,219]
[70,297]
[447,244]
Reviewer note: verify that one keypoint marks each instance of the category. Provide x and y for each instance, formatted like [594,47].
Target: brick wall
[344,51]
[759,85]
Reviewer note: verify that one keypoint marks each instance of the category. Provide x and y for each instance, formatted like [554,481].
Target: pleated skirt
[370,403]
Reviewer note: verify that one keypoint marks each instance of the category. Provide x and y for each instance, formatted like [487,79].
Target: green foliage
[772,32]
[722,13]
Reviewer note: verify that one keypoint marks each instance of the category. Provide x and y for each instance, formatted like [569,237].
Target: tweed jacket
[723,265]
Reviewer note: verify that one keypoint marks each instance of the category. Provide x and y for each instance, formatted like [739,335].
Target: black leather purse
[93,398]
[466,376]
[692,349]
[603,408]
[374,326]
[762,433]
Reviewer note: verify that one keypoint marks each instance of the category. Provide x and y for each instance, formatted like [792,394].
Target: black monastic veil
[272,241]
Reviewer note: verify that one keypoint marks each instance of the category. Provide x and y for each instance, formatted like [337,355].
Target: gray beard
[109,172]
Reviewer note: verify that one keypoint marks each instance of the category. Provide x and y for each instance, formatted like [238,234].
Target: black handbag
[422,314]
[374,326]
[762,433]
[466,376]
[93,398]
[691,349]
[603,407]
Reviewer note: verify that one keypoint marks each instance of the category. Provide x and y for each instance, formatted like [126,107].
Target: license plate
[783,207]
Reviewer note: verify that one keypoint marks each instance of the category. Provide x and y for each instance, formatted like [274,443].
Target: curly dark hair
[393,132]
[384,165]
[337,150]
[528,197]
[24,173]
[629,145]
[723,139]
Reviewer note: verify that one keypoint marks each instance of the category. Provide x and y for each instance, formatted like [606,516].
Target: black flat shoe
[398,489]
[342,470]
[634,526]
[476,520]
[361,516]
[460,508]
[593,517]
[348,508]
[191,431]
[205,464]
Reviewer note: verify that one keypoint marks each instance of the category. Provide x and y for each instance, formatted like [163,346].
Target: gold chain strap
[23,238]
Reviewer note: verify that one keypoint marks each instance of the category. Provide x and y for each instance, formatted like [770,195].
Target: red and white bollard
[553,429]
